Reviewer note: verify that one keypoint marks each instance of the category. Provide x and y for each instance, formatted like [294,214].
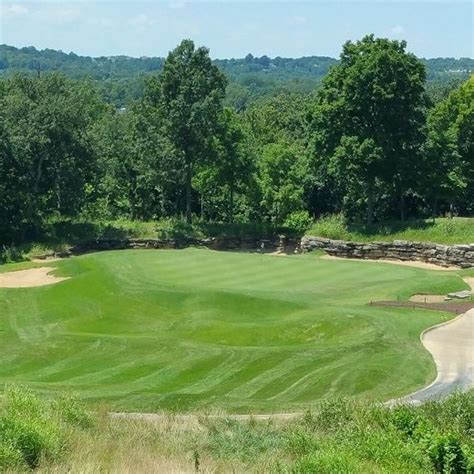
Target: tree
[188,94]
[356,165]
[233,165]
[375,93]
[281,175]
[449,148]
[51,157]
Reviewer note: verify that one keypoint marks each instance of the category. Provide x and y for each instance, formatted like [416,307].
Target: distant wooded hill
[121,78]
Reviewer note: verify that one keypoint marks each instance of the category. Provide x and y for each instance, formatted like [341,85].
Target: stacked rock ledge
[444,255]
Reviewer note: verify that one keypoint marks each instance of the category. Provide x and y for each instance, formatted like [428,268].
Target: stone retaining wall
[445,255]
[214,243]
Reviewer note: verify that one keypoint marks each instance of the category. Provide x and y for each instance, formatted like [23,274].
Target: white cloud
[397,30]
[12,10]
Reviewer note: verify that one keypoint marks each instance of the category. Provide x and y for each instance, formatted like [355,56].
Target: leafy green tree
[188,94]
[233,165]
[375,93]
[281,176]
[47,122]
[356,166]
[449,148]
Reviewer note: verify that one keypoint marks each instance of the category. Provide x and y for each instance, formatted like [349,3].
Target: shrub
[27,431]
[446,454]
[332,227]
[298,221]
[329,462]
[332,415]
[10,455]
[406,419]
[448,227]
[301,443]
[245,441]
[10,254]
[32,429]
[172,228]
[72,411]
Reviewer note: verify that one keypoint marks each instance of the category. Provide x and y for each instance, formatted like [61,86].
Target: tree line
[369,142]
[121,79]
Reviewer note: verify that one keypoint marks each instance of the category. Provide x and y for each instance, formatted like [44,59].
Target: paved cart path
[451,345]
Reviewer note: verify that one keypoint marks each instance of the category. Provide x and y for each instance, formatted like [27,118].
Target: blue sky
[235,28]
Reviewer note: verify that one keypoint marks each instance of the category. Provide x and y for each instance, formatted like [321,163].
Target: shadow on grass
[390,227]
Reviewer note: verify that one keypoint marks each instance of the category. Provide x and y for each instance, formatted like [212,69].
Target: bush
[323,462]
[299,222]
[10,254]
[72,411]
[406,419]
[446,454]
[27,432]
[448,227]
[174,228]
[332,227]
[32,429]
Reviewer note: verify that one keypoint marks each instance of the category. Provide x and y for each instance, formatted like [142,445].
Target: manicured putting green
[187,329]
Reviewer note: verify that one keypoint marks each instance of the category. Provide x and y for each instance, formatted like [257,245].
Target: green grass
[191,329]
[337,436]
[458,230]
[58,235]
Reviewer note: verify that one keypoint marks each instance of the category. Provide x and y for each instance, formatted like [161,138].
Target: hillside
[61,435]
[122,77]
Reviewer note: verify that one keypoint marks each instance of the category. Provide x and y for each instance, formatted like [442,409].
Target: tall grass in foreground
[339,436]
[33,431]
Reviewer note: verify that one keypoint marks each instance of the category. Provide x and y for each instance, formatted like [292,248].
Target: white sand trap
[427,298]
[29,278]
[407,263]
[469,281]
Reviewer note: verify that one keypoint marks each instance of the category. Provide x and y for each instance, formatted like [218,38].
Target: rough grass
[339,435]
[57,236]
[34,431]
[191,329]
[444,231]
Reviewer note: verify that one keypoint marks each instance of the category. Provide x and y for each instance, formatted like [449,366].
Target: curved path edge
[451,344]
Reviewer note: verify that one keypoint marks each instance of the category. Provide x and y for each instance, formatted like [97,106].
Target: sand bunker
[407,263]
[29,278]
[469,281]
[427,298]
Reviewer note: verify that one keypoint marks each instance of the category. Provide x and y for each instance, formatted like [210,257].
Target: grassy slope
[337,436]
[148,330]
[443,231]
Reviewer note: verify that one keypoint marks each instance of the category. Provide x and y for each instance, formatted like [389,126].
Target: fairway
[185,329]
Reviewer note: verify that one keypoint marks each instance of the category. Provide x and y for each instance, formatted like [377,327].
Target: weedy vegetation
[338,435]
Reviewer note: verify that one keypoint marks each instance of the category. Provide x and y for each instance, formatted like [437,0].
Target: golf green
[187,329]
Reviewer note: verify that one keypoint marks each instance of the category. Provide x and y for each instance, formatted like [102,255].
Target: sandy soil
[29,278]
[469,281]
[407,263]
[427,298]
